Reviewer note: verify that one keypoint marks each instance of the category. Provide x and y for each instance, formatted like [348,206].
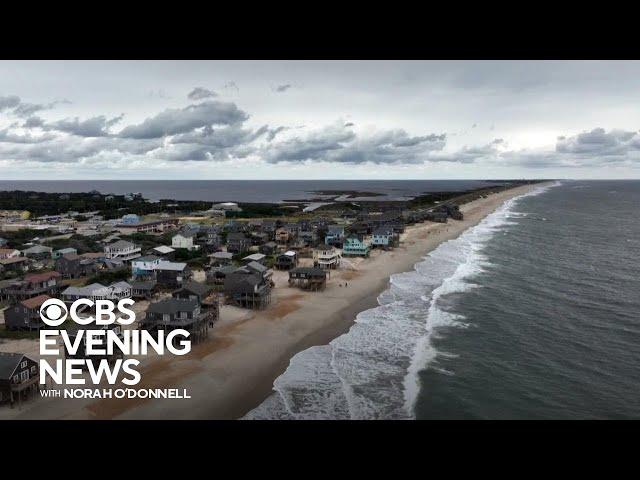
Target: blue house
[355,245]
[144,266]
[130,219]
[382,237]
[335,235]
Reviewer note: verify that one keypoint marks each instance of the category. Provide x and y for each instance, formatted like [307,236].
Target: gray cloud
[182,120]
[282,88]
[599,142]
[199,93]
[9,102]
[92,127]
[338,144]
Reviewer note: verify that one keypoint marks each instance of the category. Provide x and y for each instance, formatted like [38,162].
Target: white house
[144,266]
[184,240]
[121,250]
[326,258]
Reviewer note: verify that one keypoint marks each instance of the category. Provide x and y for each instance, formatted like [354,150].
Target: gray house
[173,313]
[19,377]
[25,315]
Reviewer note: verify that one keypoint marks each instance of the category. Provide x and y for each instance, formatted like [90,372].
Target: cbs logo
[53,312]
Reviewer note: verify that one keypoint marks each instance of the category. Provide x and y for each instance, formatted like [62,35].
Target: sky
[319,119]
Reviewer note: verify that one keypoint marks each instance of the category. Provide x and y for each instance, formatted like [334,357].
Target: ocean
[249,191]
[532,314]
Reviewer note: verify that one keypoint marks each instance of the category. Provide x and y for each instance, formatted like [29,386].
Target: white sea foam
[372,371]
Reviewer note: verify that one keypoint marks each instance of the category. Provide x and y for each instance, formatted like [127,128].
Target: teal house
[355,245]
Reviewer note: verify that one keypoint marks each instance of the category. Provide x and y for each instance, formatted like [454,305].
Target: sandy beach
[234,370]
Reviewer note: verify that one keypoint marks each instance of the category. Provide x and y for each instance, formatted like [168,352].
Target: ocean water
[532,314]
[262,191]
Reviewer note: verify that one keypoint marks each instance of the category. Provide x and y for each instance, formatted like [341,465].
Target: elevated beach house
[25,315]
[286,260]
[383,237]
[172,274]
[355,245]
[204,294]
[32,285]
[121,250]
[38,252]
[308,278]
[19,378]
[143,289]
[326,258]
[254,257]
[334,235]
[172,313]
[144,267]
[96,291]
[72,265]
[249,286]
[238,242]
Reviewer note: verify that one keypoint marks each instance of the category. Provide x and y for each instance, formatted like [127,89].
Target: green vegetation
[81,243]
[259,210]
[107,277]
[18,238]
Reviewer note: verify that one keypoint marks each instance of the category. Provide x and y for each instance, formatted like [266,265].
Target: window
[24,375]
[33,369]
[166,317]
[23,364]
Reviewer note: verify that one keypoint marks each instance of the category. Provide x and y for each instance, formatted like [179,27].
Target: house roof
[92,255]
[8,363]
[197,288]
[64,251]
[187,233]
[71,256]
[37,249]
[173,305]
[8,261]
[222,255]
[258,267]
[120,244]
[236,236]
[175,266]
[7,250]
[164,249]
[147,258]
[41,277]
[35,302]
[255,257]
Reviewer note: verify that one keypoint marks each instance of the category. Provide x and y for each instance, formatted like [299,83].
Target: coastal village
[187,268]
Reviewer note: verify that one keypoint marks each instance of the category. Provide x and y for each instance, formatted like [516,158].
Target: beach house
[173,313]
[383,237]
[334,235]
[19,378]
[121,250]
[144,267]
[75,266]
[172,274]
[326,258]
[143,289]
[185,239]
[33,285]
[237,242]
[249,286]
[25,315]
[355,245]
[308,278]
[204,294]
[38,252]
[286,260]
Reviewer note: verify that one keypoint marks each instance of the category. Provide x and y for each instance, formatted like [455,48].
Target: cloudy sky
[319,119]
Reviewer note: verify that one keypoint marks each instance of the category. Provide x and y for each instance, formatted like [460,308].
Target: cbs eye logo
[53,312]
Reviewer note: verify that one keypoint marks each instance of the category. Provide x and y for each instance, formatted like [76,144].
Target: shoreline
[233,372]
